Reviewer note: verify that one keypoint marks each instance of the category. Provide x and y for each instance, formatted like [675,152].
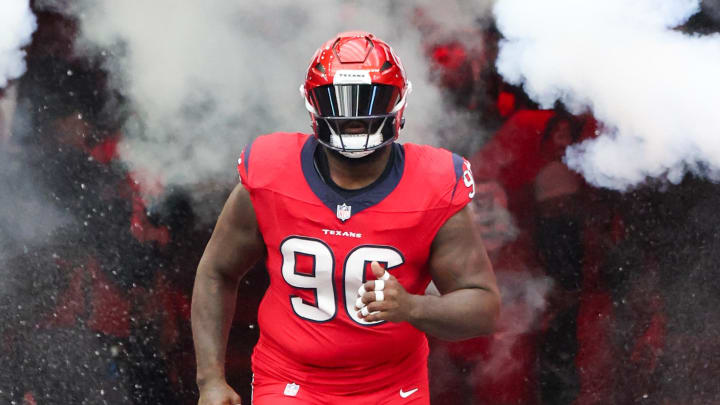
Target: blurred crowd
[608,297]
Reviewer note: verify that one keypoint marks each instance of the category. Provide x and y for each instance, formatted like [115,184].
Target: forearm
[458,315]
[213,307]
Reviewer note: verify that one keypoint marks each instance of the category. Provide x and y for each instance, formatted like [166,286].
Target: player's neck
[352,174]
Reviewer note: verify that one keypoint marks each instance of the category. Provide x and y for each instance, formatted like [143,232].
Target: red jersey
[319,249]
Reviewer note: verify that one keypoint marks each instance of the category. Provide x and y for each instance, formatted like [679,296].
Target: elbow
[489,315]
[484,319]
[216,271]
[492,315]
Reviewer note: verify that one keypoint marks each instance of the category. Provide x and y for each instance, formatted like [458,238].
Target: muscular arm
[470,301]
[234,247]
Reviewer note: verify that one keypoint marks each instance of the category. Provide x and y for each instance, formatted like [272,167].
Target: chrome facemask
[334,107]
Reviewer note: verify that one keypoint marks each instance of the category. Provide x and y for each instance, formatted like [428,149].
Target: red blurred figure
[521,170]
[95,301]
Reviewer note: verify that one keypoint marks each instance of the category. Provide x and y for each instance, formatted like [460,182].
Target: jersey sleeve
[243,166]
[464,189]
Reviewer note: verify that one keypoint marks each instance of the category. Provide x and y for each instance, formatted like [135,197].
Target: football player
[352,227]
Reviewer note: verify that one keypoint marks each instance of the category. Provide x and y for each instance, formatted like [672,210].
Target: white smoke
[204,78]
[655,90]
[17,24]
[524,302]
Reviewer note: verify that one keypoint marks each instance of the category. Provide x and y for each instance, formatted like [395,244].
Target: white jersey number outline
[468,178]
[321,280]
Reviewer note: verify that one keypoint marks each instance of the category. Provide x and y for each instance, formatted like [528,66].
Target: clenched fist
[218,393]
[385,299]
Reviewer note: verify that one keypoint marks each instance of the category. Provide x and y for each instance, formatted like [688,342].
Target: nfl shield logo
[343,212]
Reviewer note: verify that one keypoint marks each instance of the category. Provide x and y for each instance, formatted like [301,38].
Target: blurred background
[592,129]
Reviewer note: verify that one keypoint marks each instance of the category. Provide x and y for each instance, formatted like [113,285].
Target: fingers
[219,398]
[372,299]
[381,306]
[379,295]
[229,401]
[369,297]
[376,316]
[367,311]
[375,285]
[218,393]
[377,270]
[376,307]
[377,311]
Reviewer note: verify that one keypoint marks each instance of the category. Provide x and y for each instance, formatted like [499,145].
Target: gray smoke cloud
[18,24]
[17,196]
[655,90]
[205,78]
[524,302]
[712,8]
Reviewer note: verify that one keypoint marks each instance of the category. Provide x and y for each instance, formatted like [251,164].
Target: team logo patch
[343,76]
[291,390]
[343,212]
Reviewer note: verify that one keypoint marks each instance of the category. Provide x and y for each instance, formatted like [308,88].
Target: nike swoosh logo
[408,393]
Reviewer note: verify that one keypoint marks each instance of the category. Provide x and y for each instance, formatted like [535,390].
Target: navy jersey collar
[357,203]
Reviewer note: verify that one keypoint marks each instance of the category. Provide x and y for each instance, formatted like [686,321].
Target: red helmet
[356,92]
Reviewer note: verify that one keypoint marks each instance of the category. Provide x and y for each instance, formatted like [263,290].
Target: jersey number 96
[321,279]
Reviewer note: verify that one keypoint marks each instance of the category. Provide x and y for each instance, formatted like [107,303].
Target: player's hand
[218,393]
[390,303]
